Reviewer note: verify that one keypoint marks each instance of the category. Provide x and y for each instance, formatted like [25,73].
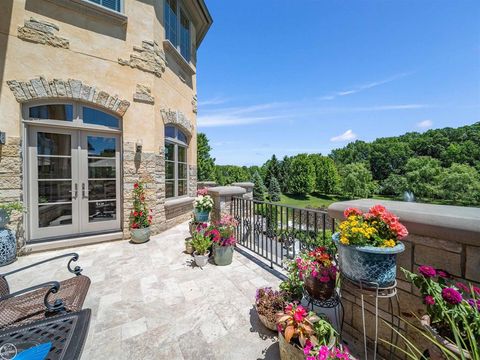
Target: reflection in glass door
[73,182]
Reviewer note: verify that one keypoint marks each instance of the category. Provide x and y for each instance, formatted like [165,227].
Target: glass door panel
[101,168]
[53,206]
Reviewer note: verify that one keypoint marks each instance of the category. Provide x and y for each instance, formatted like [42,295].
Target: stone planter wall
[446,237]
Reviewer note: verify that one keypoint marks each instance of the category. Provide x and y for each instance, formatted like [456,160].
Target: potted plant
[368,245]
[453,313]
[223,239]
[188,246]
[203,206]
[295,326]
[268,303]
[201,243]
[140,216]
[292,286]
[8,241]
[319,273]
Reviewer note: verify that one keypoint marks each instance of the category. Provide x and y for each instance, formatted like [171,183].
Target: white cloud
[346,136]
[213,101]
[425,124]
[359,88]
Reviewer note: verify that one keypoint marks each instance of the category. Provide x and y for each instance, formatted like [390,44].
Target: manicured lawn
[318,200]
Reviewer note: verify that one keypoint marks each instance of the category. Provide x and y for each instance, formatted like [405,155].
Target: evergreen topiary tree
[258,188]
[274,190]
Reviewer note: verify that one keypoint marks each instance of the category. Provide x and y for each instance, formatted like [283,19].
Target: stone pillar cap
[242,184]
[226,190]
[457,223]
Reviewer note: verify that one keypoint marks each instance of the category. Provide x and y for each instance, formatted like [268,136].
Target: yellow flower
[389,243]
[344,240]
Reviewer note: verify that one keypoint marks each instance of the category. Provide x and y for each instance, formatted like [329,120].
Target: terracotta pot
[319,290]
[433,349]
[289,351]
[268,324]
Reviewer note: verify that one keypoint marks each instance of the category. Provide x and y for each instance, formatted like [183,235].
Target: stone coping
[456,223]
[244,184]
[226,190]
[179,202]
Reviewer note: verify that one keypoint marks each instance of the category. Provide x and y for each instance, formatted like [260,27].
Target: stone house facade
[94,96]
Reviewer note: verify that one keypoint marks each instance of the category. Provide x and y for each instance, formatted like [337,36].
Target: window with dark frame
[177,28]
[176,176]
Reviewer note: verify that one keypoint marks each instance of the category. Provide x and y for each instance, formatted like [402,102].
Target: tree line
[441,165]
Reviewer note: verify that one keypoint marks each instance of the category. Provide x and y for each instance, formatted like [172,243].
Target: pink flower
[452,296]
[324,279]
[202,192]
[378,210]
[427,271]
[299,314]
[443,274]
[308,346]
[429,300]
[462,287]
[351,211]
[476,290]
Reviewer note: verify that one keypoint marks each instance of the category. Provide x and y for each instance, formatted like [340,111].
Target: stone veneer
[446,237]
[11,178]
[149,58]
[40,88]
[143,94]
[177,118]
[42,32]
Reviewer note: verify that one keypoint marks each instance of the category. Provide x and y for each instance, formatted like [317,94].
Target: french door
[74,182]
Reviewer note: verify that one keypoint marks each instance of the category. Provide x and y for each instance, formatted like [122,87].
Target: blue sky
[289,76]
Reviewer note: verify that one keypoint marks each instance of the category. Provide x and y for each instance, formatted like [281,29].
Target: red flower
[135,186]
[351,211]
[141,213]
[429,300]
[299,314]
[135,213]
[378,210]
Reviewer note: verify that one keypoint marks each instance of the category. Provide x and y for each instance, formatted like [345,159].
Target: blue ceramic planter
[8,247]
[201,216]
[368,264]
[223,255]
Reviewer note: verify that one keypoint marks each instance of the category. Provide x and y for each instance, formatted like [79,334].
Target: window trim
[176,144]
[180,9]
[105,13]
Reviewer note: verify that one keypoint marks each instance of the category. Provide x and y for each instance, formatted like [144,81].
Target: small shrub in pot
[201,243]
[269,303]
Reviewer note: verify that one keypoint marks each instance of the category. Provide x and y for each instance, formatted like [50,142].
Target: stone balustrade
[446,237]
[248,186]
[222,198]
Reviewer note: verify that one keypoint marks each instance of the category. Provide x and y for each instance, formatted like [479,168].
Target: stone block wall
[11,178]
[222,199]
[446,237]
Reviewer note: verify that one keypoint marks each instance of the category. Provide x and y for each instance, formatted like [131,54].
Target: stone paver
[149,302]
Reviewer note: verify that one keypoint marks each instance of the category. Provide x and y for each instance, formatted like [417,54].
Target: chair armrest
[52,286]
[77,270]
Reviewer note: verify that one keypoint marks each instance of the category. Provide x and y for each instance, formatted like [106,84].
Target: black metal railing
[279,232]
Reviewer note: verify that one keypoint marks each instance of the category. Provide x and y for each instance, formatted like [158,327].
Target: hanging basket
[368,264]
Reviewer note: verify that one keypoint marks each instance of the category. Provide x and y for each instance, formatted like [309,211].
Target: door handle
[74,192]
[83,192]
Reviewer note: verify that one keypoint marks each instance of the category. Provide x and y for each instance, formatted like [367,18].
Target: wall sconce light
[3,138]
[139,146]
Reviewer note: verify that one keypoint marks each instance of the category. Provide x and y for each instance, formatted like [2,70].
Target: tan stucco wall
[95,45]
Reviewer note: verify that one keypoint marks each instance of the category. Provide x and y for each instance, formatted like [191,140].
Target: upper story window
[177,27]
[110,4]
[175,162]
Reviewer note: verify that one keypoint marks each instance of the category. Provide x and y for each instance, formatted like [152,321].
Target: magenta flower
[462,287]
[452,296]
[427,271]
[443,274]
[429,300]
[476,290]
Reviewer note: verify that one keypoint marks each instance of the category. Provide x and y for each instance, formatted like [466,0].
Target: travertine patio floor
[149,302]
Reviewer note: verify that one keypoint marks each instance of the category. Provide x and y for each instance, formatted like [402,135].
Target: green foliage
[272,170]
[228,174]
[284,170]
[423,174]
[292,286]
[301,175]
[11,207]
[258,188]
[201,243]
[388,156]
[461,184]
[205,163]
[140,216]
[394,185]
[357,180]
[326,175]
[274,190]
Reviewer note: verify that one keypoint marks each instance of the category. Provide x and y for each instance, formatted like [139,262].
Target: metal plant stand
[334,303]
[373,290]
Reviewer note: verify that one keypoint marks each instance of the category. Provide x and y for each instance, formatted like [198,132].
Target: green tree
[258,188]
[228,174]
[205,163]
[357,180]
[274,190]
[272,170]
[387,156]
[284,169]
[394,185]
[422,174]
[301,175]
[326,175]
[461,184]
